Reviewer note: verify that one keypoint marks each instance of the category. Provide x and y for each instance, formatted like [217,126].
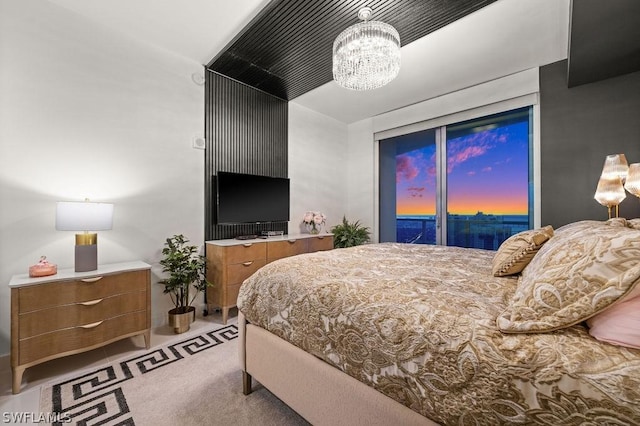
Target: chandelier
[366,55]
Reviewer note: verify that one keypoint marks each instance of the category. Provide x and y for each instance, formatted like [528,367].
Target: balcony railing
[485,231]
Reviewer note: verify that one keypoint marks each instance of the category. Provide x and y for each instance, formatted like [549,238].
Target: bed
[411,334]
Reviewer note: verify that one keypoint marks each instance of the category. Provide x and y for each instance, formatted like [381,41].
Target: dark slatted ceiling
[286,49]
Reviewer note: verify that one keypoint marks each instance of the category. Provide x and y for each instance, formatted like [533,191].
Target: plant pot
[181,321]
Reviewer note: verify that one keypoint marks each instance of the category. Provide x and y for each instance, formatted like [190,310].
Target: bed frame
[320,393]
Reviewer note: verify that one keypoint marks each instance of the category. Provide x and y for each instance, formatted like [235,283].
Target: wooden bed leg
[246,383]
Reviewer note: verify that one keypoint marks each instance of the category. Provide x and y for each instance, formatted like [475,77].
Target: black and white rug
[104,397]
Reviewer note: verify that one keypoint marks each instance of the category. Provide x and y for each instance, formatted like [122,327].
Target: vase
[313,228]
[181,321]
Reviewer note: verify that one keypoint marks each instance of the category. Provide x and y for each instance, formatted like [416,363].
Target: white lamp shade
[610,192]
[633,180]
[83,216]
[615,166]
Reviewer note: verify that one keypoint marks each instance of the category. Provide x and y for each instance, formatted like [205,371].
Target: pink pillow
[620,323]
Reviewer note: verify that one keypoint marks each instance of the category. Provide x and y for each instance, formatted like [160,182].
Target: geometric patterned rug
[99,398]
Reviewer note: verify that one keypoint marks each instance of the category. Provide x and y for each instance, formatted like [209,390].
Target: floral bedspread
[418,323]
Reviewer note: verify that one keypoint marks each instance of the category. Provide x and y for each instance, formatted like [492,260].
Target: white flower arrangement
[314,221]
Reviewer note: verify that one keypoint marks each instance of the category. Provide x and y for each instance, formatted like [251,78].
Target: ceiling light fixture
[366,55]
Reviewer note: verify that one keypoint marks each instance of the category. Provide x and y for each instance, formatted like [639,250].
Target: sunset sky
[487,172]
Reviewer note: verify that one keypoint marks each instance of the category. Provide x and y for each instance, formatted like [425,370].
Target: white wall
[317,166]
[361,189]
[86,112]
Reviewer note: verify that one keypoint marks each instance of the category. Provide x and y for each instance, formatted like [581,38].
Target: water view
[485,231]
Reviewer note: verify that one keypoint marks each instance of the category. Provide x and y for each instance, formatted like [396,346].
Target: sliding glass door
[468,184]
[408,188]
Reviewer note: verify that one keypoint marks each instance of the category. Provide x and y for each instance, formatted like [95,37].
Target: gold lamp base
[86,252]
[613,211]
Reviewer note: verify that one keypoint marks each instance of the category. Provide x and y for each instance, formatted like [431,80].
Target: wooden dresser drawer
[320,243]
[79,313]
[241,271]
[66,292]
[72,339]
[76,311]
[279,249]
[232,294]
[230,262]
[227,296]
[245,252]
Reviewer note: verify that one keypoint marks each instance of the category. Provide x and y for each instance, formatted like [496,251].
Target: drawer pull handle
[92,325]
[91,302]
[247,244]
[319,237]
[292,241]
[91,280]
[248,263]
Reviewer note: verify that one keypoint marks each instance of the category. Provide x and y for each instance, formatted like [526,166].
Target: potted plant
[186,279]
[349,234]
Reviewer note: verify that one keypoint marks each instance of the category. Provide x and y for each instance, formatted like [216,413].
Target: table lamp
[633,180]
[615,166]
[610,193]
[84,216]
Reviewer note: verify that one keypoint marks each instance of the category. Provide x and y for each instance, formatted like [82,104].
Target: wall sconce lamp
[84,216]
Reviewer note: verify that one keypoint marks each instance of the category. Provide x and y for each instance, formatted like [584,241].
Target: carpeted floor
[194,382]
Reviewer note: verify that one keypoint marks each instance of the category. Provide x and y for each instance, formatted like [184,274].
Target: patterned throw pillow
[517,251]
[584,268]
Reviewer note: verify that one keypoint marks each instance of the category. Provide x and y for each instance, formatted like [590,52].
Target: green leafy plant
[186,271]
[349,234]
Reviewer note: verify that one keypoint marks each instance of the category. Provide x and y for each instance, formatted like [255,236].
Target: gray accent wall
[246,131]
[580,126]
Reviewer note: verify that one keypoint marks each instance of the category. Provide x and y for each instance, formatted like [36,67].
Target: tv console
[231,261]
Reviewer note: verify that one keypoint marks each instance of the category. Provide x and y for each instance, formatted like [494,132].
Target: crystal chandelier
[366,55]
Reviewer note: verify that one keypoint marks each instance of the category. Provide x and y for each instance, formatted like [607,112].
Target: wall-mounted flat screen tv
[245,198]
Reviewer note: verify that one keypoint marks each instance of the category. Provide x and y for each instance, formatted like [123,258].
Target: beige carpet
[194,382]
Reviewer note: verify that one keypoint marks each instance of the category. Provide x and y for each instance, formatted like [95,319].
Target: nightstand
[73,312]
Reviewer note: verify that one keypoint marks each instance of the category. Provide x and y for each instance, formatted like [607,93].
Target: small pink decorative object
[43,268]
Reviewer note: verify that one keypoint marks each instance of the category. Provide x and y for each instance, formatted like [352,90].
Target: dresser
[73,312]
[230,262]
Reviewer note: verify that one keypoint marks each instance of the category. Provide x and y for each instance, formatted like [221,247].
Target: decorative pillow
[619,324]
[584,268]
[580,226]
[517,251]
[633,223]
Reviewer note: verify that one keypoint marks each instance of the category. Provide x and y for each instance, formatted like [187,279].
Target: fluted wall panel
[246,132]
